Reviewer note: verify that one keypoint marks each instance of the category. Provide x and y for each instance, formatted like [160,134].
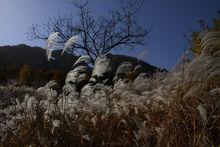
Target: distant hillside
[34,57]
[150,69]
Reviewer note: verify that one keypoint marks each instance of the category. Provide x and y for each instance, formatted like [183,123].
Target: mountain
[145,67]
[35,57]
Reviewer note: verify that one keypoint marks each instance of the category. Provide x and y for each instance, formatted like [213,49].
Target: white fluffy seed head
[141,55]
[70,43]
[82,59]
[51,44]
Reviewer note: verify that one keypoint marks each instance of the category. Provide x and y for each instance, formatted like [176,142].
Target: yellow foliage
[196,37]
[196,48]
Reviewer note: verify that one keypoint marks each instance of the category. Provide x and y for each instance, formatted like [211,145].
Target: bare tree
[99,35]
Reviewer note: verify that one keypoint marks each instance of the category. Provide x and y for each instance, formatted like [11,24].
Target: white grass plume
[141,55]
[51,44]
[82,59]
[70,43]
[183,56]
[203,113]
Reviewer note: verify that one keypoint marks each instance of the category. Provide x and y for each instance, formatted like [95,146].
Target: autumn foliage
[24,77]
[196,36]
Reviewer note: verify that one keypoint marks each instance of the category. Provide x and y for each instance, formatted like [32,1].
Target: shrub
[58,75]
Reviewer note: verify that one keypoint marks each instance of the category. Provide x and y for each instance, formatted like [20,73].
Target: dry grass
[181,124]
[79,131]
[177,123]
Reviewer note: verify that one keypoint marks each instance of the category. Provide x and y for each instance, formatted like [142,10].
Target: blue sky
[170,18]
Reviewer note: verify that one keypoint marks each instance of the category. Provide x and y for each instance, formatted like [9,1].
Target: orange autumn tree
[24,76]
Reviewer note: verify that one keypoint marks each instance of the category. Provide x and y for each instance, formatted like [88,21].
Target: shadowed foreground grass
[184,121]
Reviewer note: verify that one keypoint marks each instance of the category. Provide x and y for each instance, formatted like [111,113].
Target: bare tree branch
[99,35]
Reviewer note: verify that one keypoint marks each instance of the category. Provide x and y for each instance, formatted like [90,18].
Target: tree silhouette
[98,35]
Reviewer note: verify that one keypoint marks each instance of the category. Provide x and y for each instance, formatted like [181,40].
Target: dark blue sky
[170,18]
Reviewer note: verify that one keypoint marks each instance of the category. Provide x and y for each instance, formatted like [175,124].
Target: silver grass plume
[70,43]
[82,59]
[141,55]
[51,44]
[210,39]
[183,56]
[203,113]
